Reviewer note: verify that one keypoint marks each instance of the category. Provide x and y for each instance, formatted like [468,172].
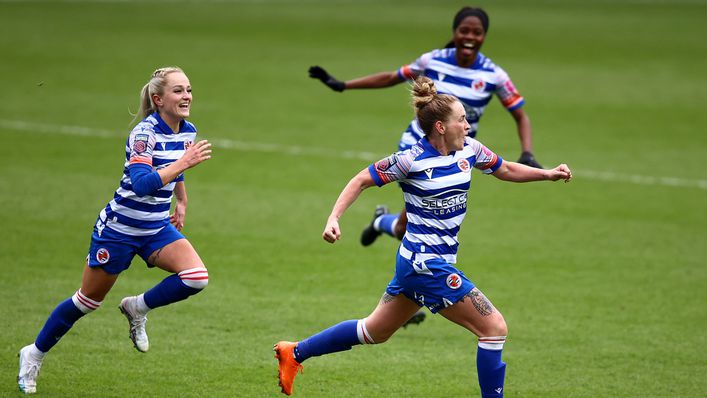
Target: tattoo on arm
[481,303]
[387,298]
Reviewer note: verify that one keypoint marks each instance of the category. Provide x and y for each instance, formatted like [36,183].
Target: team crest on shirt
[140,143]
[454,281]
[464,165]
[102,255]
[478,85]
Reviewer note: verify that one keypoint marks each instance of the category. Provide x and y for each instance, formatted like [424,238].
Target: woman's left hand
[561,172]
[177,218]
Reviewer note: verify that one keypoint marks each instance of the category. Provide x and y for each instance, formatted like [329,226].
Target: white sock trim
[140,304]
[394,224]
[377,224]
[196,278]
[36,353]
[493,343]
[83,303]
[363,336]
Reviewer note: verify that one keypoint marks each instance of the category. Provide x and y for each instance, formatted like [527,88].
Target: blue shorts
[114,251]
[434,283]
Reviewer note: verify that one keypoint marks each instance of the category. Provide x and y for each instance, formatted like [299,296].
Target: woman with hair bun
[435,176]
[137,221]
[459,69]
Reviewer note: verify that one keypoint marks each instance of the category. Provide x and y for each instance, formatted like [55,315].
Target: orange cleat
[287,365]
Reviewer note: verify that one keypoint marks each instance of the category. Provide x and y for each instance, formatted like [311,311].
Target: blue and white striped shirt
[473,85]
[153,143]
[435,190]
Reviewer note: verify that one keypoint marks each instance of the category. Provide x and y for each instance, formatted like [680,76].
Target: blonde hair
[155,86]
[430,106]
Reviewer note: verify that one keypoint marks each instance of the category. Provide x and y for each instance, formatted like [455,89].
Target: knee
[382,338]
[497,327]
[501,328]
[195,278]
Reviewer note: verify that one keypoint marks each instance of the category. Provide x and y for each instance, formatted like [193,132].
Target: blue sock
[491,372]
[337,338]
[58,323]
[170,290]
[386,223]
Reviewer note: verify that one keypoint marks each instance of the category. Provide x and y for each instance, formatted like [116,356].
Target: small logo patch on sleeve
[387,163]
[140,143]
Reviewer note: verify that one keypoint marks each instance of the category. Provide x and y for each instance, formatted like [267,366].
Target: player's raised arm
[516,172]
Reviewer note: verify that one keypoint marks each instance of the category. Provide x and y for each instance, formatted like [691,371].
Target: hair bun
[423,92]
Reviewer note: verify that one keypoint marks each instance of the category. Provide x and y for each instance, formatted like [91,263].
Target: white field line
[43,128]
[276,2]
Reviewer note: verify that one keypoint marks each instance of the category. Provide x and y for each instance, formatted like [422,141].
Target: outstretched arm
[516,172]
[348,195]
[376,80]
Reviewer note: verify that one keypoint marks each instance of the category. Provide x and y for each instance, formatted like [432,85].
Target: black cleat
[416,319]
[369,234]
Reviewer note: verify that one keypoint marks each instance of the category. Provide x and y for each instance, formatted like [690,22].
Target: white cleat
[29,370]
[137,323]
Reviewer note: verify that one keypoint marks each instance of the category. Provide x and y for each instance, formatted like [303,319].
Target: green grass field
[603,281]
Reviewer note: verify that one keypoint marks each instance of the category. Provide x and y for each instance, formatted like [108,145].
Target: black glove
[528,159]
[317,72]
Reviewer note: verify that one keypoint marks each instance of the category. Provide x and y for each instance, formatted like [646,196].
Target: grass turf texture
[602,283]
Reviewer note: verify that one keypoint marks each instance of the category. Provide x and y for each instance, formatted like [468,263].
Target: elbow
[144,187]
[146,184]
[140,191]
[363,180]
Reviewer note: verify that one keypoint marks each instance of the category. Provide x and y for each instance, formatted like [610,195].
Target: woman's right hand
[332,233]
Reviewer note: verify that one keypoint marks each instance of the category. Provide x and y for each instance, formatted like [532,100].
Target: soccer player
[460,69]
[137,221]
[435,175]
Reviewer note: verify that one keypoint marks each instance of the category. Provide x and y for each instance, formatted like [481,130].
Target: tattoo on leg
[481,303]
[153,258]
[387,298]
